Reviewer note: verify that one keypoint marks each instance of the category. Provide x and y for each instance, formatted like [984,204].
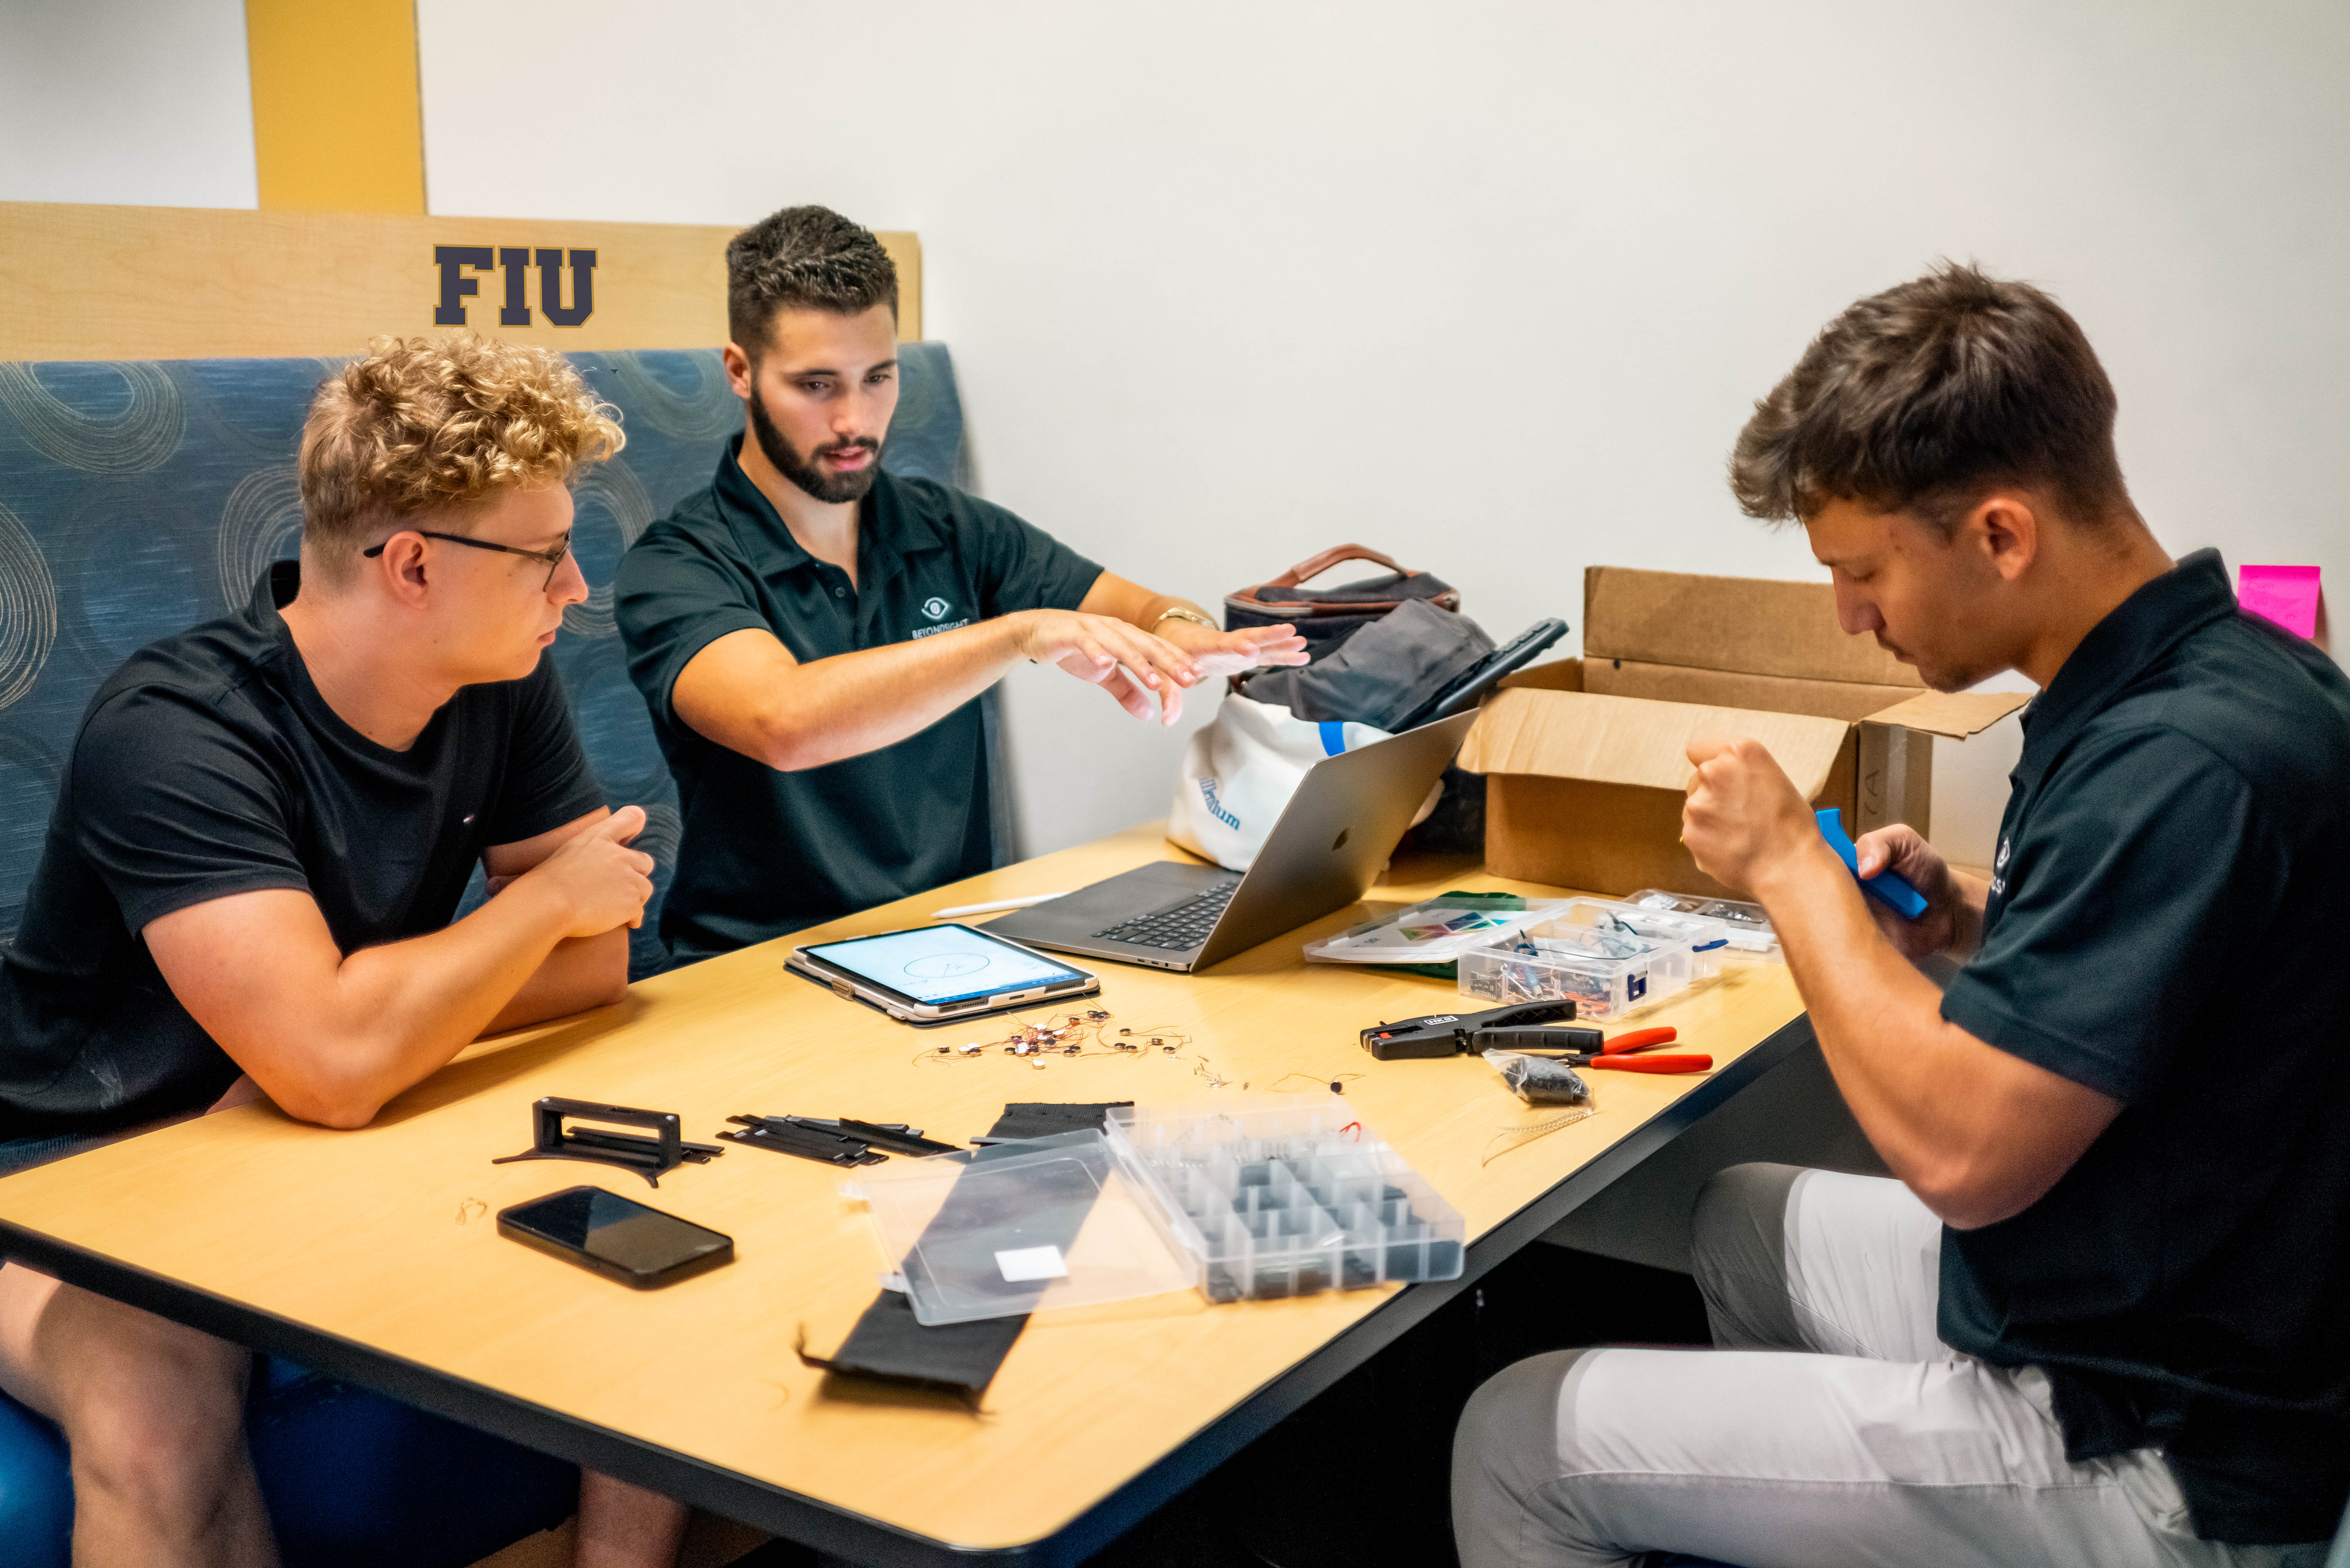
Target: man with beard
[813,634]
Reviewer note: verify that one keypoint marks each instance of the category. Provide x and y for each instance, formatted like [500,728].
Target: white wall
[143,103]
[1491,285]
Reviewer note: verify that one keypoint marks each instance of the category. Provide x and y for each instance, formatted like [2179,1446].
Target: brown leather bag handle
[1315,566]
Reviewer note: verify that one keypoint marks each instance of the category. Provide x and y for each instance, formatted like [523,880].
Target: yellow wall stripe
[336,122]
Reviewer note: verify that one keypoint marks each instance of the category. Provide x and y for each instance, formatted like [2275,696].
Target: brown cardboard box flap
[1633,740]
[1954,715]
[1843,699]
[1755,626]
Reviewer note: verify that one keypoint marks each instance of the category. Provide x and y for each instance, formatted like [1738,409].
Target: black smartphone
[618,1237]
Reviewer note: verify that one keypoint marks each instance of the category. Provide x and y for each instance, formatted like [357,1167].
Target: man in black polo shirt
[813,634]
[2104,1314]
[262,833]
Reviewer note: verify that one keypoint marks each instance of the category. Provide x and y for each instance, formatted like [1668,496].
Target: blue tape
[1887,887]
[1333,737]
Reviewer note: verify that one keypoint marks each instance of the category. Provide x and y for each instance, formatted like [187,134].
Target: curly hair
[1919,399]
[803,258]
[438,424]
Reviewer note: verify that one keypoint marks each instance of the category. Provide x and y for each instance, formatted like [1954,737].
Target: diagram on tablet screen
[947,966]
[942,962]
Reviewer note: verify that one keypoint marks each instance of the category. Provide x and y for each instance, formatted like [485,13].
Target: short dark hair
[803,258]
[1920,399]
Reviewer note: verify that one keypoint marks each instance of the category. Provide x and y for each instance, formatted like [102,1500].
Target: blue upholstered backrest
[139,498]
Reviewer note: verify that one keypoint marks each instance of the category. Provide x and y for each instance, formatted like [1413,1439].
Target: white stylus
[990,908]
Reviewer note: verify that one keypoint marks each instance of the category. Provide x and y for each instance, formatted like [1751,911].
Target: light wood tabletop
[373,1255]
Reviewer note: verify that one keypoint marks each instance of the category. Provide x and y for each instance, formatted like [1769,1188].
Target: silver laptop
[1336,832]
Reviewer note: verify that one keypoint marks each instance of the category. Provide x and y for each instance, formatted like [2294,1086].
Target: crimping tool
[1521,1028]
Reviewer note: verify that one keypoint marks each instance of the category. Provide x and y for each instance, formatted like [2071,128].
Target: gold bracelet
[1184,612]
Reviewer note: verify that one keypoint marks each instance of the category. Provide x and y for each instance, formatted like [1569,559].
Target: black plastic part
[837,1531]
[783,1135]
[896,1140]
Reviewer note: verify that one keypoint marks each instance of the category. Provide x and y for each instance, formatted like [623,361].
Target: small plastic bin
[1291,1196]
[1708,937]
[1068,1220]
[1591,953]
[1748,924]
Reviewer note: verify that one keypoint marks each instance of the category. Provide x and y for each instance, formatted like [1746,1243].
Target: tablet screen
[943,963]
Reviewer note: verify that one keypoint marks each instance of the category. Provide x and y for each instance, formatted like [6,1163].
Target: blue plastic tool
[1885,887]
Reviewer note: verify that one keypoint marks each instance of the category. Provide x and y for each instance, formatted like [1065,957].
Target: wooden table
[372,1255]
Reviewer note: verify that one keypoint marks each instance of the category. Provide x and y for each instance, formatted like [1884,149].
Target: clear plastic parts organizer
[1750,924]
[1434,931]
[1068,1220]
[1290,1197]
[1608,958]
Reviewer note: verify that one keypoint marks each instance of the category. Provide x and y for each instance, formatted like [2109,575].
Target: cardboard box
[1586,759]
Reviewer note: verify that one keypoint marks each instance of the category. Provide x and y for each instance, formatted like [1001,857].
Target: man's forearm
[1936,1103]
[400,1011]
[853,703]
[580,974]
[1969,894]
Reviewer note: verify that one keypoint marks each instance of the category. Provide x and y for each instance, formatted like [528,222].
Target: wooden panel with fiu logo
[88,282]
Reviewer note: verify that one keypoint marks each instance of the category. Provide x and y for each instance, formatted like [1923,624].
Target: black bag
[1326,617]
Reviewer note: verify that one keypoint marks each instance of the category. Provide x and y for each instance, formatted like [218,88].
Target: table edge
[825,1526]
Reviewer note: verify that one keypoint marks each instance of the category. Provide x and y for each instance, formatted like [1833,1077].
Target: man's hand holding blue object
[1885,887]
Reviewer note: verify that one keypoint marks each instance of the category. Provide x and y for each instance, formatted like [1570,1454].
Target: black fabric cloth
[2163,927]
[765,853]
[890,1343]
[1385,672]
[209,765]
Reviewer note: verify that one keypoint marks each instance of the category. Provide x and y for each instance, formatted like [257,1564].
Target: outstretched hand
[1123,660]
[1229,652]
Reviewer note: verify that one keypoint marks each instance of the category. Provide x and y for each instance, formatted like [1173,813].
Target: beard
[804,471]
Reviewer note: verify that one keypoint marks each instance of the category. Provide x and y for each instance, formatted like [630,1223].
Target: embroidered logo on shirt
[1999,871]
[936,608]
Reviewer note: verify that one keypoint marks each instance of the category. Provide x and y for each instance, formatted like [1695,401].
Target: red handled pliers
[1586,1048]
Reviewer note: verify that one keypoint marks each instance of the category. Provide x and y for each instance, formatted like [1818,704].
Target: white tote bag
[1239,771]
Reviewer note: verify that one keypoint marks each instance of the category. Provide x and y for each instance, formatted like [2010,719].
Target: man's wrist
[1789,875]
[1187,614]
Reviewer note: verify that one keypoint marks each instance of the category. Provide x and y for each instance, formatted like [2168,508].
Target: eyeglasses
[553,557]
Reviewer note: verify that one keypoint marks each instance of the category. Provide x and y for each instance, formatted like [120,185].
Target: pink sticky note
[2285,595]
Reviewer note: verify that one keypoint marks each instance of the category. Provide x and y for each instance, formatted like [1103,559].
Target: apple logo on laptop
[1340,842]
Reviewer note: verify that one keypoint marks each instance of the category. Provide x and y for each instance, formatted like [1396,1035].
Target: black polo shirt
[765,853]
[2165,927]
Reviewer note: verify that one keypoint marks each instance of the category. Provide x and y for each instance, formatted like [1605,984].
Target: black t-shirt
[208,766]
[2164,926]
[764,853]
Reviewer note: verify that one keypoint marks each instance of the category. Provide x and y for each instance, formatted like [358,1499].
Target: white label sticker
[1031,1263]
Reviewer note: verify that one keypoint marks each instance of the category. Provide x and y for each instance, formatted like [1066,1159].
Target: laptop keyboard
[1184,924]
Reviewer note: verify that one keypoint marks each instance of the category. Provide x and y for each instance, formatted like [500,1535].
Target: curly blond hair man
[263,831]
